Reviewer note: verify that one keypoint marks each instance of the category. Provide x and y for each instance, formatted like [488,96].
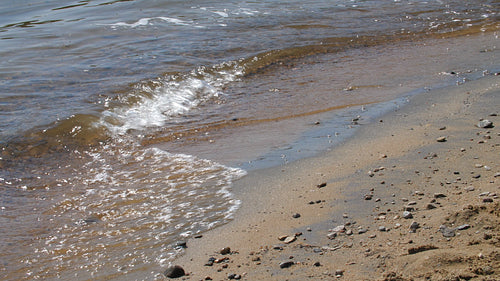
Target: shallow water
[120,120]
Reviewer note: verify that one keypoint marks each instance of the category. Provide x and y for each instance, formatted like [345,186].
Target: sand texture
[412,196]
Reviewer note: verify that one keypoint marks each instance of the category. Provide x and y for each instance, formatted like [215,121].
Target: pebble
[382,228]
[296,216]
[441,139]
[407,215]
[234,276]
[339,228]
[430,206]
[362,230]
[414,226]
[469,188]
[487,200]
[368,196]
[485,124]
[323,184]
[439,195]
[447,232]
[286,264]
[225,251]
[331,235]
[289,239]
[181,244]
[174,271]
[463,227]
[339,272]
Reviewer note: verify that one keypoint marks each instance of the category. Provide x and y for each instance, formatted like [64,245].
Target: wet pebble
[174,271]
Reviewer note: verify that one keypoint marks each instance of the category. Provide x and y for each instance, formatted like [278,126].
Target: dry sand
[351,202]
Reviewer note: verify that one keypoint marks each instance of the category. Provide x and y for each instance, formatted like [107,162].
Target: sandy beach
[412,196]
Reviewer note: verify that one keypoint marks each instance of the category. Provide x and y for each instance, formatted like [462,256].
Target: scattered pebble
[174,271]
[286,264]
[439,195]
[225,251]
[447,232]
[407,215]
[485,124]
[414,226]
[441,139]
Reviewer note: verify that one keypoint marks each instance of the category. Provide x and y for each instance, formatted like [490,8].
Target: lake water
[123,124]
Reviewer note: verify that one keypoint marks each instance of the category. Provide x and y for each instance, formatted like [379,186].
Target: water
[122,122]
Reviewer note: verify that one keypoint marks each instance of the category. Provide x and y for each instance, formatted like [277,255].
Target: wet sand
[341,215]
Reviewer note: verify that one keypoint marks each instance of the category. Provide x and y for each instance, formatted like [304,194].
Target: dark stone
[181,244]
[323,184]
[174,271]
[225,251]
[286,264]
[296,216]
[368,197]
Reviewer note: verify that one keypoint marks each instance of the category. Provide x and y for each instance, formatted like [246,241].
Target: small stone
[286,264]
[296,216]
[225,251]
[290,239]
[469,188]
[331,235]
[368,197]
[485,124]
[348,232]
[430,206]
[339,272]
[317,264]
[323,184]
[463,227]
[441,139]
[439,195]
[487,200]
[382,228]
[414,226]
[371,174]
[180,244]
[407,215]
[175,271]
[486,193]
[411,203]
[447,232]
[362,230]
[339,228]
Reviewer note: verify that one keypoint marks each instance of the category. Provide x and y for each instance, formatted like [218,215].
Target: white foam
[150,21]
[170,97]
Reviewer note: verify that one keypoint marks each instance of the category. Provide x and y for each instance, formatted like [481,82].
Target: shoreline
[336,231]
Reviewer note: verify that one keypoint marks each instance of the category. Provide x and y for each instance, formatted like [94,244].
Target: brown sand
[399,163]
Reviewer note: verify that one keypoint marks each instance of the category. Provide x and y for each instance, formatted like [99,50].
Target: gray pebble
[407,215]
[485,124]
